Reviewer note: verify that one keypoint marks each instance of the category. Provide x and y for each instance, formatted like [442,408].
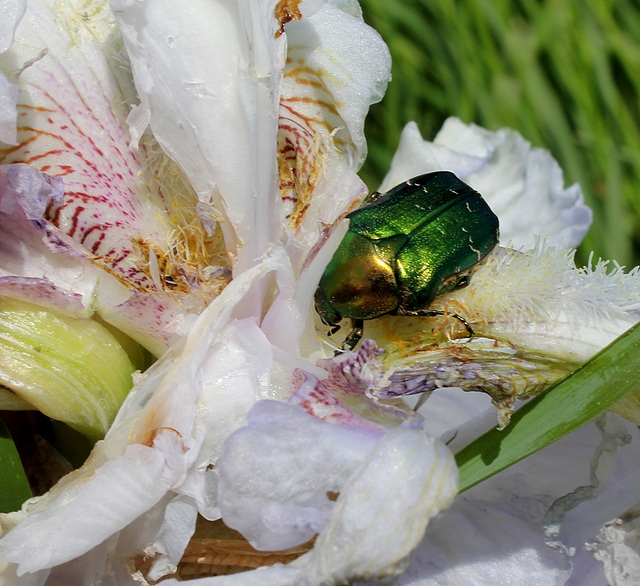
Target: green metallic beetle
[404,248]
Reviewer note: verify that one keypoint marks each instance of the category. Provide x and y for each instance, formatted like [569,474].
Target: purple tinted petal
[345,397]
[32,190]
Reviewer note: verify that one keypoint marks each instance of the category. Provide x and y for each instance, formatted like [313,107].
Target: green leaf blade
[578,398]
[14,486]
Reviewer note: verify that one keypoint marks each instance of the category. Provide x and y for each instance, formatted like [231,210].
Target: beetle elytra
[404,248]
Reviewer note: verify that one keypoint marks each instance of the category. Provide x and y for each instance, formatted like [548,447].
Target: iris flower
[178,174]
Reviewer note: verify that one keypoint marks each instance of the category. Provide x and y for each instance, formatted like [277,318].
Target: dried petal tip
[501,370]
[28,188]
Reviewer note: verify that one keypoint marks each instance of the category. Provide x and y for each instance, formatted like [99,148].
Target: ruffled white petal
[618,548]
[406,480]
[523,185]
[495,532]
[330,44]
[326,92]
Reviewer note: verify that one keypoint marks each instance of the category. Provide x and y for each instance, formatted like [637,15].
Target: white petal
[8,110]
[72,108]
[495,532]
[275,476]
[276,473]
[236,373]
[610,490]
[173,537]
[9,577]
[416,156]
[208,73]
[11,12]
[40,265]
[337,66]
[457,417]
[523,185]
[333,43]
[130,484]
[618,548]
[114,212]
[406,480]
[152,447]
[478,542]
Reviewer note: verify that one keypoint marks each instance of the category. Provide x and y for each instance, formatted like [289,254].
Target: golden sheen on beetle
[404,248]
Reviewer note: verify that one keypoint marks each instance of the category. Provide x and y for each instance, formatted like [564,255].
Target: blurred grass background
[564,73]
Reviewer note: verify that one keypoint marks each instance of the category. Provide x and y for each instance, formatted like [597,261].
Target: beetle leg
[357,331]
[422,399]
[334,329]
[434,312]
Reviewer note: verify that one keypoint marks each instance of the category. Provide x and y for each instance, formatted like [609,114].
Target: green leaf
[584,394]
[15,487]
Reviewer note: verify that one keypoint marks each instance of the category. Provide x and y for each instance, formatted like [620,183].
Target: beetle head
[325,310]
